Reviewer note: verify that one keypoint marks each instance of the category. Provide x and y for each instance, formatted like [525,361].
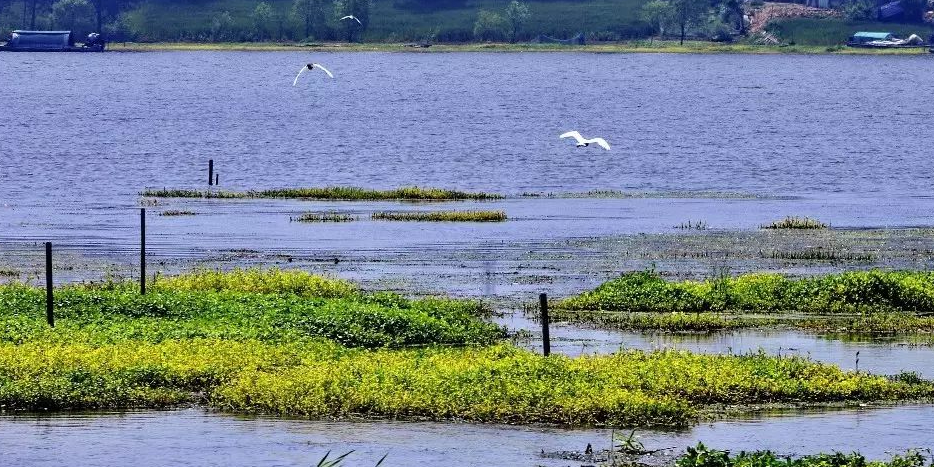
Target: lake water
[842,139]
[838,138]
[196,437]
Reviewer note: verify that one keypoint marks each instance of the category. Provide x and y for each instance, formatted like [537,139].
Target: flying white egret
[581,142]
[311,66]
[353,18]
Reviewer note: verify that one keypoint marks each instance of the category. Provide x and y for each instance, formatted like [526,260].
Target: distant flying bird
[311,66]
[353,18]
[581,142]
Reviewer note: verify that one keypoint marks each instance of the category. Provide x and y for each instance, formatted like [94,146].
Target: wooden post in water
[546,339]
[217,179]
[49,303]
[210,172]
[142,251]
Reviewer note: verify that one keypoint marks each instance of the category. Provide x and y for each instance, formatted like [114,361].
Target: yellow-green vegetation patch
[858,293]
[324,217]
[796,223]
[500,383]
[441,216]
[260,281]
[337,193]
[176,212]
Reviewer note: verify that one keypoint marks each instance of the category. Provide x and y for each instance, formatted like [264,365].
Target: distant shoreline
[614,47]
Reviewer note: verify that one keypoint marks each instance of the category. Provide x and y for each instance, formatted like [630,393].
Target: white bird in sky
[311,66]
[581,142]
[353,18]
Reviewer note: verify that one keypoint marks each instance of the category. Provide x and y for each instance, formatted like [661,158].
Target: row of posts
[214,179]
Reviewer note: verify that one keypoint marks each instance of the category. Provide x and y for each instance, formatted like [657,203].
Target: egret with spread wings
[581,142]
[311,66]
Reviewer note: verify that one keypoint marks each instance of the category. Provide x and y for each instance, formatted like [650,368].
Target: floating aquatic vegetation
[324,217]
[176,212]
[442,216]
[342,193]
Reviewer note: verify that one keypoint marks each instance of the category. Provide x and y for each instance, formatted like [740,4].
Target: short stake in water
[49,303]
[142,251]
[546,339]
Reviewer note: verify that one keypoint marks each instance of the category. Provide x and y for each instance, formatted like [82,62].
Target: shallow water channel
[197,437]
[884,357]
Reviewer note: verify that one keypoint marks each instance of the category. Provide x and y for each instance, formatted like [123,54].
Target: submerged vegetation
[292,343]
[442,216]
[324,217]
[342,193]
[797,223]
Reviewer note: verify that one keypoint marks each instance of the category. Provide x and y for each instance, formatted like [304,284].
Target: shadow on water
[197,437]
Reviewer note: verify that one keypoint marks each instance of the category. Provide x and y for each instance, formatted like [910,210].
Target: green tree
[517,14]
[262,20]
[359,9]
[659,14]
[73,15]
[859,10]
[489,26]
[221,27]
[688,13]
[310,13]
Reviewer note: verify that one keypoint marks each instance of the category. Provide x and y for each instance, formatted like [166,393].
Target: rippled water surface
[735,141]
[194,437]
[838,138]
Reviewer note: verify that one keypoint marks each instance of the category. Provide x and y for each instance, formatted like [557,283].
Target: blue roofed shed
[863,37]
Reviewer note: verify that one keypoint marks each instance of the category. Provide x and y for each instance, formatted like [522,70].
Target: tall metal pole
[49,302]
[210,172]
[546,338]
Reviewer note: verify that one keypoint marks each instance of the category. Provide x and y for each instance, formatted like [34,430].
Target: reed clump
[173,193]
[176,212]
[324,217]
[354,193]
[336,193]
[441,216]
[797,223]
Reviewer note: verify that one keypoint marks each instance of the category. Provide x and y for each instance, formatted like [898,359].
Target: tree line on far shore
[410,20]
